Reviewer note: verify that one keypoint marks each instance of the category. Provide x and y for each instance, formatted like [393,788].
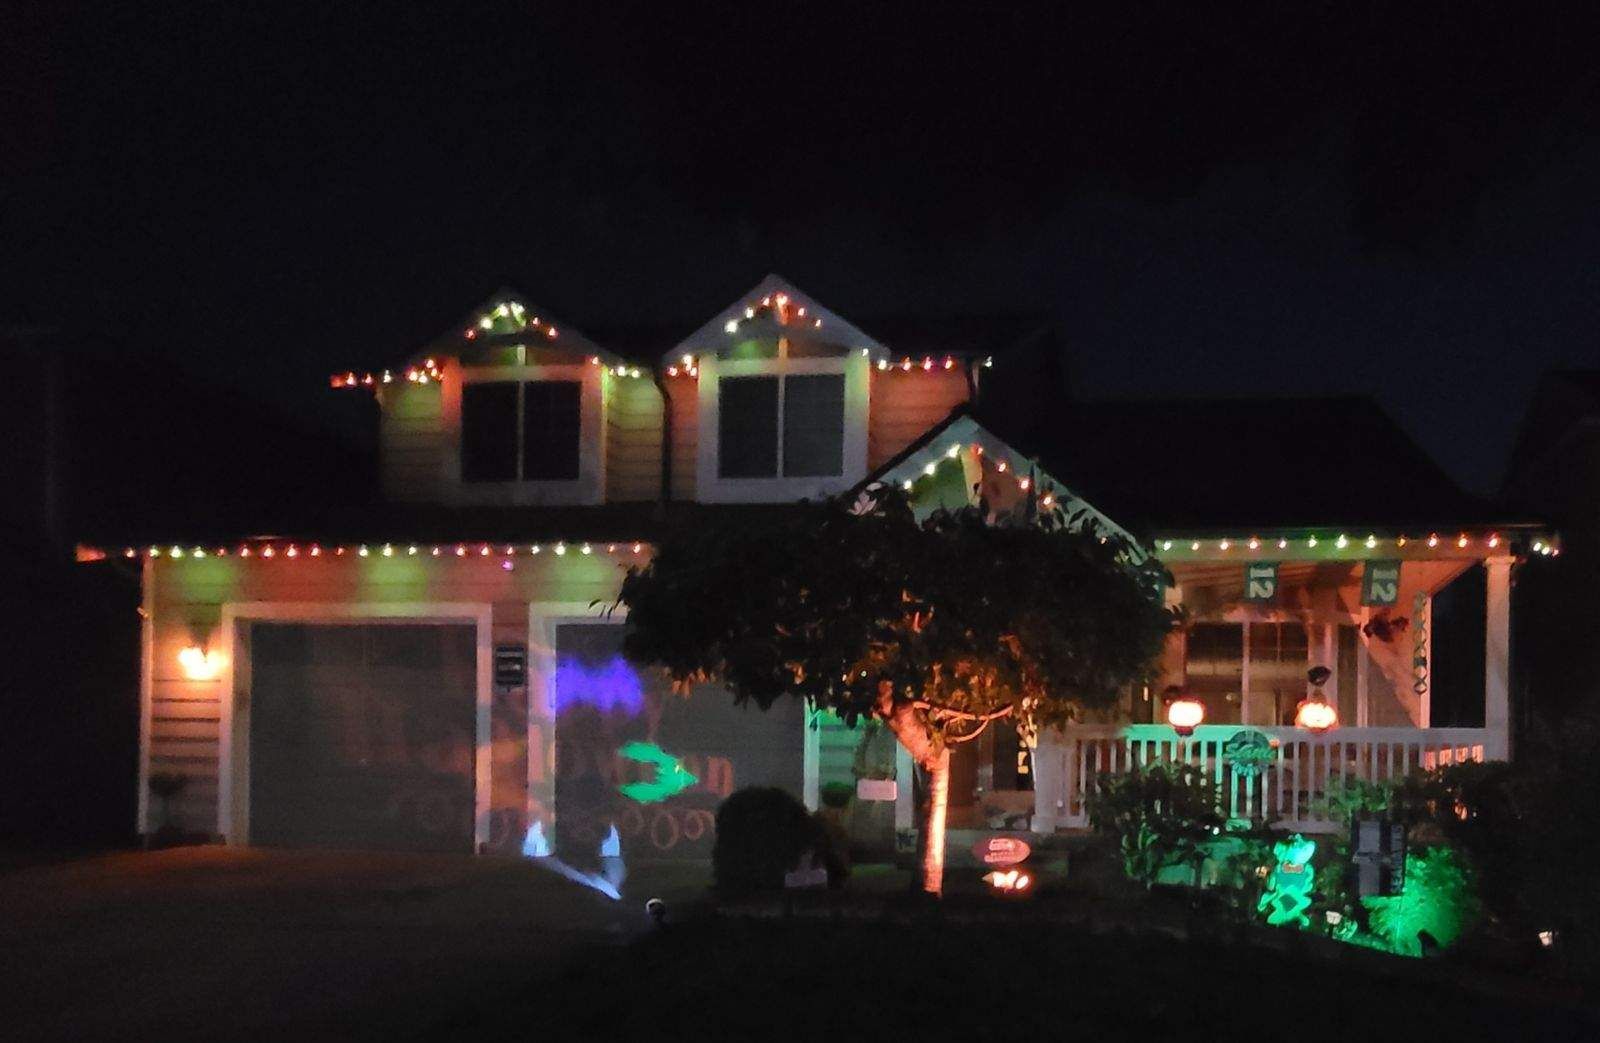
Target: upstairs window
[789,426]
[514,431]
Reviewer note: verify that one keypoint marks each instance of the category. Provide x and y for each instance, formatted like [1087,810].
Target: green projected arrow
[670,777]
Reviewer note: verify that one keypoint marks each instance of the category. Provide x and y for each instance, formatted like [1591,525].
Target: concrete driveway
[217,943]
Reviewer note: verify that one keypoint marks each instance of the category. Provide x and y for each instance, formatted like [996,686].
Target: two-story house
[441,672]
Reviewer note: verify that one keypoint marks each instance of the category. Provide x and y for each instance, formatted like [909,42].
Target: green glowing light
[1288,893]
[671,778]
[1439,900]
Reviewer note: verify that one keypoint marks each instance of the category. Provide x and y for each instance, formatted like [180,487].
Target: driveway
[210,942]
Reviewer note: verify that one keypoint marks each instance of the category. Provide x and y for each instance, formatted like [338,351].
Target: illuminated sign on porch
[1380,583]
[1260,580]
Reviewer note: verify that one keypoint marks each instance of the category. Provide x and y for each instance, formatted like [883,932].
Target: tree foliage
[854,605]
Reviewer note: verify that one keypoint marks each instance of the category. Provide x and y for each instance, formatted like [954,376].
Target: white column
[1363,667]
[1046,766]
[905,811]
[811,770]
[1497,659]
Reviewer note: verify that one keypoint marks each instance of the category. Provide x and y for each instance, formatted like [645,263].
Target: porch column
[1047,764]
[1497,659]
[811,760]
[905,811]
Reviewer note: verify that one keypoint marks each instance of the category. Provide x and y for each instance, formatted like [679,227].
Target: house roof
[1230,464]
[1563,401]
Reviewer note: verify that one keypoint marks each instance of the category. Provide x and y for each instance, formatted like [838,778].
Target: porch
[1288,790]
[1261,612]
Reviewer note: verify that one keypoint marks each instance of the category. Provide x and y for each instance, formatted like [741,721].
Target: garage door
[361,736]
[654,764]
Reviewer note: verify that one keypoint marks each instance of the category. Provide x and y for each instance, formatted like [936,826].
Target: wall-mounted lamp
[199,664]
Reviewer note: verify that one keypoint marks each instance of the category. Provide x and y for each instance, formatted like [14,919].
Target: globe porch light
[1184,713]
[1316,716]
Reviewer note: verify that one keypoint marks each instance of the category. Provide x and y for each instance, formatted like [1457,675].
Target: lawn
[755,979]
[210,943]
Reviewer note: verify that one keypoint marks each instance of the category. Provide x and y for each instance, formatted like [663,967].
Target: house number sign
[1380,583]
[1260,580]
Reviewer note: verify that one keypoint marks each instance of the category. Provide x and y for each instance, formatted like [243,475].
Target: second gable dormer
[777,398]
[782,399]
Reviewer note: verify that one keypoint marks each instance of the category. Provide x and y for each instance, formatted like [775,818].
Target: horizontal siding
[905,405]
[633,447]
[684,392]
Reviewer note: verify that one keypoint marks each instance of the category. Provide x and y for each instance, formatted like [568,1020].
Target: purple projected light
[611,687]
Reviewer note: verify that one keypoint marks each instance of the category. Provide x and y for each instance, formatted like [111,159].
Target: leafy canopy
[962,616]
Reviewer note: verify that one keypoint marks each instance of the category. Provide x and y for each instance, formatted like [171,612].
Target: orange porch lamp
[1184,711]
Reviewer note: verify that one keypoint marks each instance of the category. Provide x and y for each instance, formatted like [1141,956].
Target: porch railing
[1286,790]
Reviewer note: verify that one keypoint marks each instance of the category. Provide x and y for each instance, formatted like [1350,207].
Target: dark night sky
[1280,203]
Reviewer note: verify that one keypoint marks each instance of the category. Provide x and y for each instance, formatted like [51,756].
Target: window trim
[711,487]
[588,487]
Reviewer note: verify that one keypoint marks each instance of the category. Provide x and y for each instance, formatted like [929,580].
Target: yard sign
[1260,581]
[1380,583]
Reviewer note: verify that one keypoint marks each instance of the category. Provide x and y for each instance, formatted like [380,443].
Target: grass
[935,980]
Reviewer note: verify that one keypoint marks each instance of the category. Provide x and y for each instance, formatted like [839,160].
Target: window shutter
[489,432]
[551,422]
[813,425]
[747,427]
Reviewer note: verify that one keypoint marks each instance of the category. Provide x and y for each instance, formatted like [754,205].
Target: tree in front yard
[936,626]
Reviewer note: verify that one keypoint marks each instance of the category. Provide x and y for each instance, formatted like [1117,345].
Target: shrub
[762,833]
[1439,899]
[1160,815]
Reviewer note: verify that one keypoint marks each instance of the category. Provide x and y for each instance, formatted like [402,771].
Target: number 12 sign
[1261,581]
[1380,583]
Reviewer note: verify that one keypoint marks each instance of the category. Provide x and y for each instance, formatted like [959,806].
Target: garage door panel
[363,735]
[603,705]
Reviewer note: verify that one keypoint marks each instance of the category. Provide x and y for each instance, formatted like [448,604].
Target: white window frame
[711,487]
[588,487]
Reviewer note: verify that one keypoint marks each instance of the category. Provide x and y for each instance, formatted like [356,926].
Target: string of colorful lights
[294,551]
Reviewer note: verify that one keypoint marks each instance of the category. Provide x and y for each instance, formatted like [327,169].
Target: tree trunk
[933,817]
[909,726]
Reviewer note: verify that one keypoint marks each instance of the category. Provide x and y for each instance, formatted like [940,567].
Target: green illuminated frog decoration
[1288,893]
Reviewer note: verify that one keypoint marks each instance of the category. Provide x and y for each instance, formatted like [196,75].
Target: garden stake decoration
[1288,893]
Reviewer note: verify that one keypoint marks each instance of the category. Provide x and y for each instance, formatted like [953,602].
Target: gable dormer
[782,399]
[512,408]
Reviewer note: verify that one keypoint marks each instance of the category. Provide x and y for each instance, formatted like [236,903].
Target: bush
[1161,816]
[1439,899]
[762,833]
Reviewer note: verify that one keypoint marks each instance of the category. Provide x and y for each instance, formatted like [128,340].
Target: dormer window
[781,418]
[527,431]
[789,426]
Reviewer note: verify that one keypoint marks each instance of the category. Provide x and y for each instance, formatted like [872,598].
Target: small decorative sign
[1380,583]
[807,874]
[1248,752]
[1378,849]
[876,789]
[510,666]
[1260,580]
[1001,851]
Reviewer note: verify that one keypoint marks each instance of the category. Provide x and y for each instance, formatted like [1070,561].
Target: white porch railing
[1288,789]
